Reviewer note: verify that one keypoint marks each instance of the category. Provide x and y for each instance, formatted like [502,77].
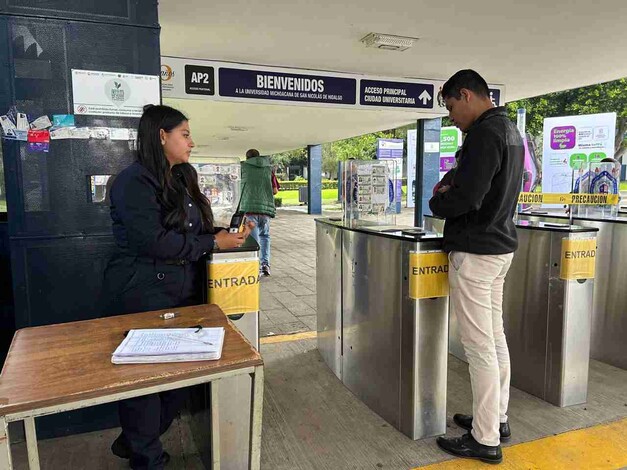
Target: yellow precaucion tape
[568,198]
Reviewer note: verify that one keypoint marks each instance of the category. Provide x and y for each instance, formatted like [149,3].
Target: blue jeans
[261,233]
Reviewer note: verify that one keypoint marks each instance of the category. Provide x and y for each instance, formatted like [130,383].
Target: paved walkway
[288,296]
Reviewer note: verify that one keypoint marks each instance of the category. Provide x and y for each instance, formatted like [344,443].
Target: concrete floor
[311,421]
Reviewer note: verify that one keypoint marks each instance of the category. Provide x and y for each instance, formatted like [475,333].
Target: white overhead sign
[113,94]
[224,81]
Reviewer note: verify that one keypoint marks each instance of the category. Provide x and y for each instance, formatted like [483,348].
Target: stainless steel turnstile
[609,312]
[329,293]
[546,318]
[388,349]
[233,396]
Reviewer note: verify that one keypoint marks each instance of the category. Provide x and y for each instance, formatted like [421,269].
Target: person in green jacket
[257,201]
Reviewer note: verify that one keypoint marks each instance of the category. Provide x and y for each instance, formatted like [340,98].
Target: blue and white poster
[412,136]
[391,150]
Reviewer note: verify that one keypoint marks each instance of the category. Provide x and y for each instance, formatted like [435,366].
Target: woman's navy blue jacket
[154,267]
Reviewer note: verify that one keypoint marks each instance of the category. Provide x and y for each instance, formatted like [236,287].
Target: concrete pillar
[314,183]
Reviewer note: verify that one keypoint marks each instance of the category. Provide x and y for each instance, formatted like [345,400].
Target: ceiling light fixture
[388,42]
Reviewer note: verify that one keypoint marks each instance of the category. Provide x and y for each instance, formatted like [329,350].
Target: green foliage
[278,202]
[362,147]
[291,157]
[601,98]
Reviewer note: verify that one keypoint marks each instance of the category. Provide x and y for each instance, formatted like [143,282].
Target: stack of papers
[170,345]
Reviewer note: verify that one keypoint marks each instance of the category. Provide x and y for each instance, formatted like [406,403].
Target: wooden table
[63,367]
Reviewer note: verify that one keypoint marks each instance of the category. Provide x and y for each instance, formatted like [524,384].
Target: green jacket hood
[258,162]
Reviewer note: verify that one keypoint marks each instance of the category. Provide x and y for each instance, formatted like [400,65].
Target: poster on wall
[450,141]
[113,94]
[412,135]
[570,141]
[391,150]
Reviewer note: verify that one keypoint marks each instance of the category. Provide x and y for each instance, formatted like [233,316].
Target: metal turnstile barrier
[233,397]
[609,316]
[546,317]
[387,348]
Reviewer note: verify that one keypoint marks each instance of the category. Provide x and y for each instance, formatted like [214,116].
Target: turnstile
[609,315]
[546,318]
[387,348]
[233,397]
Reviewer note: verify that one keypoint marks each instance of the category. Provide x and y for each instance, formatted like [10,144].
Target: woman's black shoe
[468,448]
[120,448]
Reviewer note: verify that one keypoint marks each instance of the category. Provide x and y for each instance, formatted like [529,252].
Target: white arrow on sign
[424,96]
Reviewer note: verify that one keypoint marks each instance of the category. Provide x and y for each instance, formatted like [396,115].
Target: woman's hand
[227,241]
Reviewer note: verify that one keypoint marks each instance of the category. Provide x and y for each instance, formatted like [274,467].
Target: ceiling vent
[388,42]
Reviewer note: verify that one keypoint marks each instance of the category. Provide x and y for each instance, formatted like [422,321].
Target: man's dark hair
[252,153]
[468,79]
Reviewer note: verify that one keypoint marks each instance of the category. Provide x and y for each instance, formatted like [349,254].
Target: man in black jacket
[480,237]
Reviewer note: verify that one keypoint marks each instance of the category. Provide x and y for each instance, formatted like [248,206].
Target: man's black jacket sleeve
[480,161]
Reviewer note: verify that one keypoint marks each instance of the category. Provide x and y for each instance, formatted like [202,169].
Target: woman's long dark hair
[176,182]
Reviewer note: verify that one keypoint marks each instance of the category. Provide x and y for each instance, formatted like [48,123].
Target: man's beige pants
[476,296]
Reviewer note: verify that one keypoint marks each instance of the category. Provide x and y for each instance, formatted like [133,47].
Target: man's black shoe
[466,447]
[465,422]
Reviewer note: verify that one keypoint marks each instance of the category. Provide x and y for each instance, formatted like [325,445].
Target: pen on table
[197,327]
[193,340]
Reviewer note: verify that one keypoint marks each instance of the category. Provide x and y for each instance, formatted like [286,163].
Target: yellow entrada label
[428,275]
[578,259]
[234,286]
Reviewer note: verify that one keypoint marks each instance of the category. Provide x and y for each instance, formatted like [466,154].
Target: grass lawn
[290,198]
[329,196]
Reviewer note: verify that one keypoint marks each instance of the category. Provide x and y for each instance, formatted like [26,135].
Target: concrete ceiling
[531,47]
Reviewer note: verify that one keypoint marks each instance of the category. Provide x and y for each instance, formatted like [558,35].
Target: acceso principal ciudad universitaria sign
[226,81]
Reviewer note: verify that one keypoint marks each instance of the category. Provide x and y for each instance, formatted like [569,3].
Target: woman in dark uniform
[162,225]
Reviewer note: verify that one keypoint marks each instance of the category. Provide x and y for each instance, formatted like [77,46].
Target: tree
[601,98]
[362,147]
[292,157]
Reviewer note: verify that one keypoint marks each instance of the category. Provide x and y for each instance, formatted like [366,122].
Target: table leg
[5,445]
[31,443]
[256,415]
[215,427]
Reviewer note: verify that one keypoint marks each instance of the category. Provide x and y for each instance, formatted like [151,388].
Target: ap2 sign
[199,80]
